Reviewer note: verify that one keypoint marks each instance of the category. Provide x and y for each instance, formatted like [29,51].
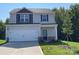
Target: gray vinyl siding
[36,18]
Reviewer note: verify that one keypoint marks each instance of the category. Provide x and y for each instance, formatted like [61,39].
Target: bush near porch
[60,48]
[2,41]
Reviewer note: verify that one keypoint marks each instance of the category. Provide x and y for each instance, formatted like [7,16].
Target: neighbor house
[28,24]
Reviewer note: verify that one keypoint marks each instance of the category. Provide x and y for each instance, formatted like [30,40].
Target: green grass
[58,48]
[2,41]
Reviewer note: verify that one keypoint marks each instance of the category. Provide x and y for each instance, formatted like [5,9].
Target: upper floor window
[44,18]
[21,18]
[24,18]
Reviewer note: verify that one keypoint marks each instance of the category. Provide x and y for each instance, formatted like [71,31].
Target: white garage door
[23,35]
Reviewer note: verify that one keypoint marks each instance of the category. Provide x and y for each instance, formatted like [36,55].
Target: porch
[48,32]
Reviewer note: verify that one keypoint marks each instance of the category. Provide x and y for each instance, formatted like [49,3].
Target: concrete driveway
[21,48]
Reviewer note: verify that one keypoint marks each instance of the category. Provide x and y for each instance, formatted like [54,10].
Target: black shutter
[17,18]
[41,18]
[47,17]
[31,18]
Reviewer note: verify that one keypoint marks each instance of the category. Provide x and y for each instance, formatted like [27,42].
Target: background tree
[2,30]
[75,20]
[59,20]
[67,25]
[7,20]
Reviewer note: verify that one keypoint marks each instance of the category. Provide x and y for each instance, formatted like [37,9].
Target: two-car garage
[22,32]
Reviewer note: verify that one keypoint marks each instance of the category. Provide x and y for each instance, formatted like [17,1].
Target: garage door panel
[23,35]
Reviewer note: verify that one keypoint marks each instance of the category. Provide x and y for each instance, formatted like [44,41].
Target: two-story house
[28,24]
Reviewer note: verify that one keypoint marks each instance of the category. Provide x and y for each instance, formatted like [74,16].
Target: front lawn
[2,41]
[60,48]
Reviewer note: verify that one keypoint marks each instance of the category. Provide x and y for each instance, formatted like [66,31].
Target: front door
[44,34]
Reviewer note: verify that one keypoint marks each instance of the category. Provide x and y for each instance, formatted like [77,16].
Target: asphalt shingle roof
[33,10]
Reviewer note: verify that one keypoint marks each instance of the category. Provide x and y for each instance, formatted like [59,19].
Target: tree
[2,30]
[59,16]
[67,25]
[2,25]
[72,14]
[7,20]
[75,20]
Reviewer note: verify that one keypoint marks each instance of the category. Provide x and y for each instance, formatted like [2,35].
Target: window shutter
[47,17]
[41,17]
[17,18]
[31,18]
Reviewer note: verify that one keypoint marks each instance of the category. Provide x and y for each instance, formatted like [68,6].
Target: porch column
[56,32]
[6,33]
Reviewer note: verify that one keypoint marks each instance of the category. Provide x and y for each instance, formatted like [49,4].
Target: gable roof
[33,10]
[24,10]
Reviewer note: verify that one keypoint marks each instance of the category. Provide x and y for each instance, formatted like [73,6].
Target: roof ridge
[35,10]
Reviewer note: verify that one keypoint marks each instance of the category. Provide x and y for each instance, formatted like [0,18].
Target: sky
[5,8]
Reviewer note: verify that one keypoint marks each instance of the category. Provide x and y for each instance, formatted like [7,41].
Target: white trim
[23,13]
[51,25]
[56,32]
[6,33]
[54,25]
[24,25]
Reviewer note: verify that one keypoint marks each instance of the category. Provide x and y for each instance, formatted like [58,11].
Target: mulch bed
[65,46]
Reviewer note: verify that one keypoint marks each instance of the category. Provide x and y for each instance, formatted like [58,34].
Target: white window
[24,18]
[44,18]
